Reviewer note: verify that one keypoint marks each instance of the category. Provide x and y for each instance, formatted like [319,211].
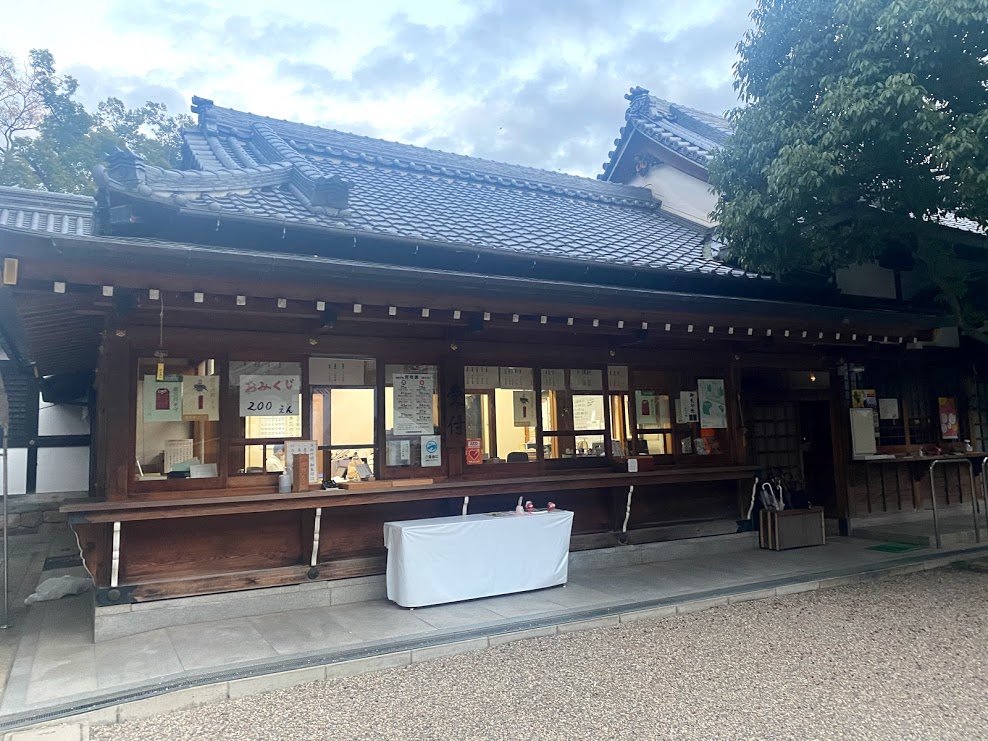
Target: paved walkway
[900,658]
[58,670]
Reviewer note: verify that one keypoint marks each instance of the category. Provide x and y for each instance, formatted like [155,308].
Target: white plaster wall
[63,469]
[867,280]
[62,419]
[681,194]
[17,470]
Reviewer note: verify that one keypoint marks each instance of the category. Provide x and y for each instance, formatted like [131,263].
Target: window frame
[134,485]
[322,449]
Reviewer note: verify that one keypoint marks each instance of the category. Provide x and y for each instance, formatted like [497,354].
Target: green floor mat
[894,547]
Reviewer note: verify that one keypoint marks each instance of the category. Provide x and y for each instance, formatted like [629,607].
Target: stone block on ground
[31,519]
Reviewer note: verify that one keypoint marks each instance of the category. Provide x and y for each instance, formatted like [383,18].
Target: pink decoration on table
[551,506]
[529,506]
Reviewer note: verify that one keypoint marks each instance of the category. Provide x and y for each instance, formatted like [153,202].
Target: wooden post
[300,472]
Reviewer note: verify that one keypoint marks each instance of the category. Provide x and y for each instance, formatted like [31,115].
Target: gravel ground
[902,658]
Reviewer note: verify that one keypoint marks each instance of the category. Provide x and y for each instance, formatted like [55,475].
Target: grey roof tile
[694,134]
[416,193]
[38,210]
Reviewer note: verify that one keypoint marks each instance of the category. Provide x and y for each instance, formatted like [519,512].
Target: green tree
[51,142]
[863,120]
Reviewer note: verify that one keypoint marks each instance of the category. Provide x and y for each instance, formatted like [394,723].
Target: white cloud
[538,82]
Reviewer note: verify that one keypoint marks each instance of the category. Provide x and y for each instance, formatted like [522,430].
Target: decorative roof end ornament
[639,102]
[200,105]
[126,168]
[331,192]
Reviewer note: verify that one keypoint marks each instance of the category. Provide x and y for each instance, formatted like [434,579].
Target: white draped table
[448,559]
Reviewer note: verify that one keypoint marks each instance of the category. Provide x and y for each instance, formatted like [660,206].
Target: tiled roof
[959,222]
[42,211]
[251,166]
[691,133]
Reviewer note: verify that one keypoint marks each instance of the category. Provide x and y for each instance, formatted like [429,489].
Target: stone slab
[172,701]
[448,649]
[751,596]
[799,588]
[700,604]
[64,732]
[608,621]
[521,635]
[366,665]
[279,681]
[652,613]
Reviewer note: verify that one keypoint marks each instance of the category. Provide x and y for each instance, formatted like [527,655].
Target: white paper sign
[303,447]
[713,403]
[645,408]
[689,406]
[162,400]
[399,452]
[888,408]
[336,372]
[432,454]
[586,380]
[413,404]
[201,398]
[524,408]
[553,379]
[617,377]
[279,427]
[588,413]
[269,396]
[177,451]
[516,378]
[203,471]
[481,376]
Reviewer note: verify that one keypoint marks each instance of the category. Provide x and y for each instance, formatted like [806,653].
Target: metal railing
[974,497]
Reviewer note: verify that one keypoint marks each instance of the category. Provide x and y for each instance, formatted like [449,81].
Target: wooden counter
[193,506]
[207,541]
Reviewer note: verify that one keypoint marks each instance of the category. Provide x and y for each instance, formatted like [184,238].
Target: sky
[534,82]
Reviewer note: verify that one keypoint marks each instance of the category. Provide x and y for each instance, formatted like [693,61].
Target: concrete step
[909,533]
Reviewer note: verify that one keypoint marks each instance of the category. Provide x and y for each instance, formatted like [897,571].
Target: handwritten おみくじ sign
[269,396]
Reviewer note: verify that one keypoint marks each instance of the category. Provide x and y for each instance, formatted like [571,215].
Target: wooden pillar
[454,415]
[116,393]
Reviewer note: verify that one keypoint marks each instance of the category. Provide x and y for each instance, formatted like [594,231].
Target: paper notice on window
[689,405]
[201,398]
[949,423]
[481,376]
[553,379]
[336,372]
[645,408]
[617,377]
[516,378]
[413,404]
[432,454]
[586,380]
[399,452]
[177,451]
[269,396]
[888,408]
[303,447]
[162,400]
[713,403]
[524,408]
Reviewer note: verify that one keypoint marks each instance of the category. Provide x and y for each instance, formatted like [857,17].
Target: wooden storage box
[791,528]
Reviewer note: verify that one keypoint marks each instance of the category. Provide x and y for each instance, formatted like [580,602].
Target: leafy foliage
[863,120]
[52,143]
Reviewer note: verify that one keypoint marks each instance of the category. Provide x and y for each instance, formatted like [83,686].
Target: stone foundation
[31,514]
